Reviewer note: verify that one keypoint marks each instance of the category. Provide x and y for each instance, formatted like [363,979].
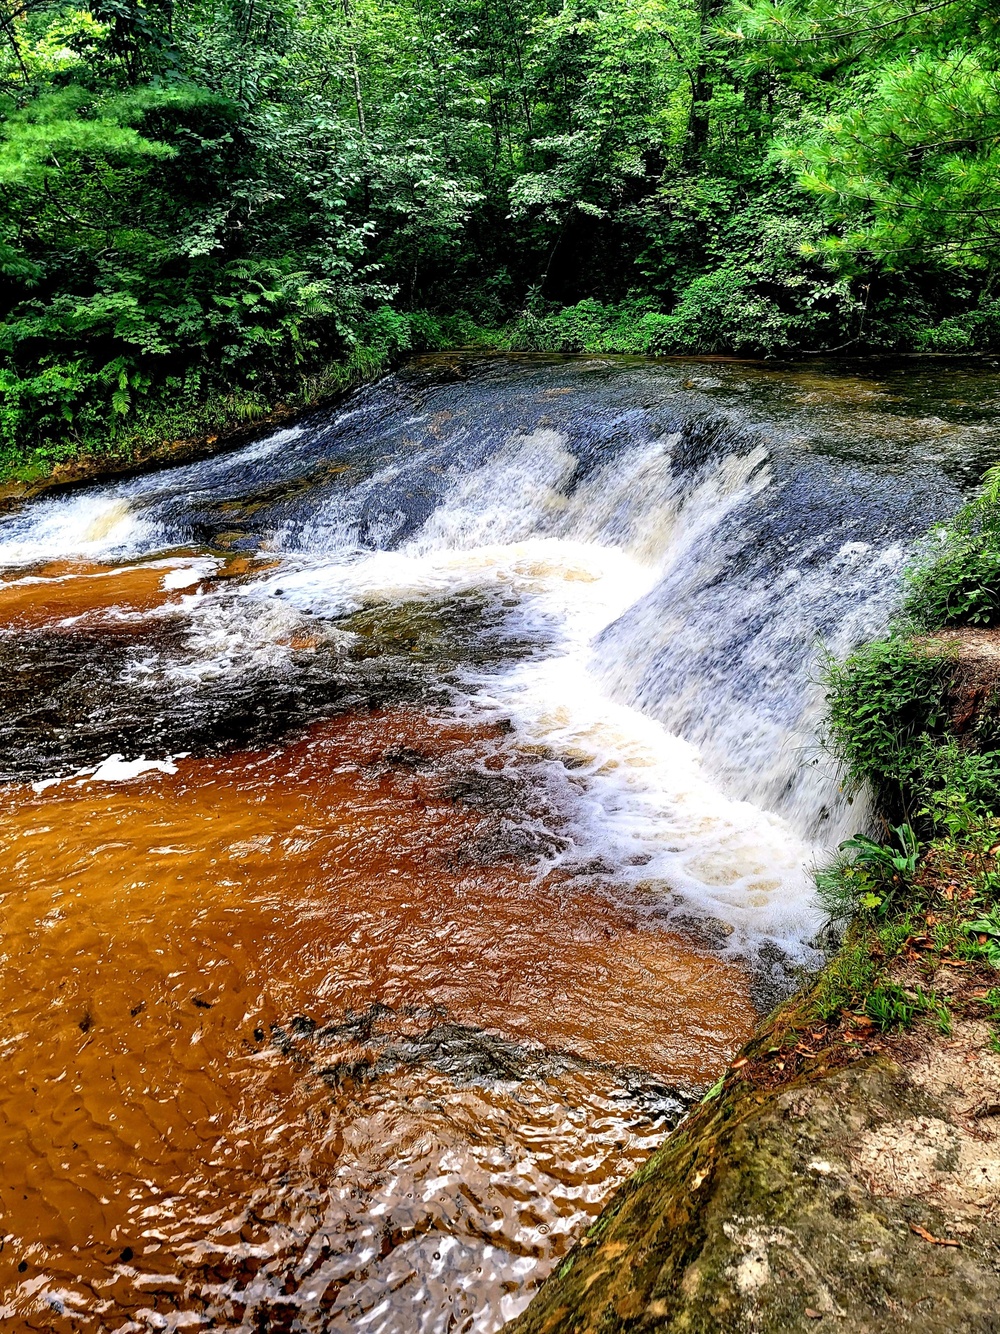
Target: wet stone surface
[71,696]
[375,1042]
[865,1198]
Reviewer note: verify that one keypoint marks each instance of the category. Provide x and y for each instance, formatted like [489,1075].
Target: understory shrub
[633,326]
[883,703]
[957,579]
[973,330]
[72,409]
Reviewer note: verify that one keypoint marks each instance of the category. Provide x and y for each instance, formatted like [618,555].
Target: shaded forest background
[211,206]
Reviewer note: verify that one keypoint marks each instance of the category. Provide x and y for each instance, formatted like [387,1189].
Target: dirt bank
[146,457]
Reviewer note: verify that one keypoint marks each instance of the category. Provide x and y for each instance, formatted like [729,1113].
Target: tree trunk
[699,118]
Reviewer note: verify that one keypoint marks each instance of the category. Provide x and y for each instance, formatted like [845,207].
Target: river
[407,814]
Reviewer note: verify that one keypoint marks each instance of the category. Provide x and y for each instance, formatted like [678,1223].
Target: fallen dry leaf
[929,1236]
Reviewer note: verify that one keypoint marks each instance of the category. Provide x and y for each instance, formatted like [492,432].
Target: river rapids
[407,814]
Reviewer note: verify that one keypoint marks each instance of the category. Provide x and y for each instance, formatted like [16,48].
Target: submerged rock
[372,1043]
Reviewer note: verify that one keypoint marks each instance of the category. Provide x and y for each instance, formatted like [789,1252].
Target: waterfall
[671,567]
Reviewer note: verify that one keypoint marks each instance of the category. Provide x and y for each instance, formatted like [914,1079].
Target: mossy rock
[850,1197]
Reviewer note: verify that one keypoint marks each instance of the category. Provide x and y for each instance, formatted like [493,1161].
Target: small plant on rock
[985,931]
[868,877]
[888,1006]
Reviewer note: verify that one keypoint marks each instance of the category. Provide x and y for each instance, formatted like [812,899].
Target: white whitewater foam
[113,769]
[83,525]
[117,769]
[641,802]
[184,573]
[648,809]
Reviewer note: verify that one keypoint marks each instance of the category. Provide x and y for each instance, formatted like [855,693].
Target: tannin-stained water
[403,816]
[183,1086]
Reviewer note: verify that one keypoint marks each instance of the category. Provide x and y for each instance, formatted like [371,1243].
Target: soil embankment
[128,461]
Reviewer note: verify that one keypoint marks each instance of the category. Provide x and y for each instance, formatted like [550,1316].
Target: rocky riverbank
[840,1176]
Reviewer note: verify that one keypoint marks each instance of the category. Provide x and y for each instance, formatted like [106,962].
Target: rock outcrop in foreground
[857,1192]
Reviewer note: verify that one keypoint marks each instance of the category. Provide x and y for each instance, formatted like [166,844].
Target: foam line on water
[113,769]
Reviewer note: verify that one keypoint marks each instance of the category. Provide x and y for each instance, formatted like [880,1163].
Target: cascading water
[604,586]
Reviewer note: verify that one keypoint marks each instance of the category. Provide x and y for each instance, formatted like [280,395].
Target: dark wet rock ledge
[855,1188]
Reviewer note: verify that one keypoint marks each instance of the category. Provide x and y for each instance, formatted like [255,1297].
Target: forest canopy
[209,206]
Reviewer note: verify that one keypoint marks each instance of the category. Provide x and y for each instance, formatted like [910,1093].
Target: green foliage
[955,788]
[187,408]
[858,981]
[715,1090]
[903,156]
[891,1006]
[200,200]
[957,582]
[889,725]
[884,863]
[992,1003]
[960,586]
[985,931]
[845,889]
[886,723]
[588,326]
[869,878]
[887,720]
[883,702]
[850,975]
[976,329]
[762,296]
